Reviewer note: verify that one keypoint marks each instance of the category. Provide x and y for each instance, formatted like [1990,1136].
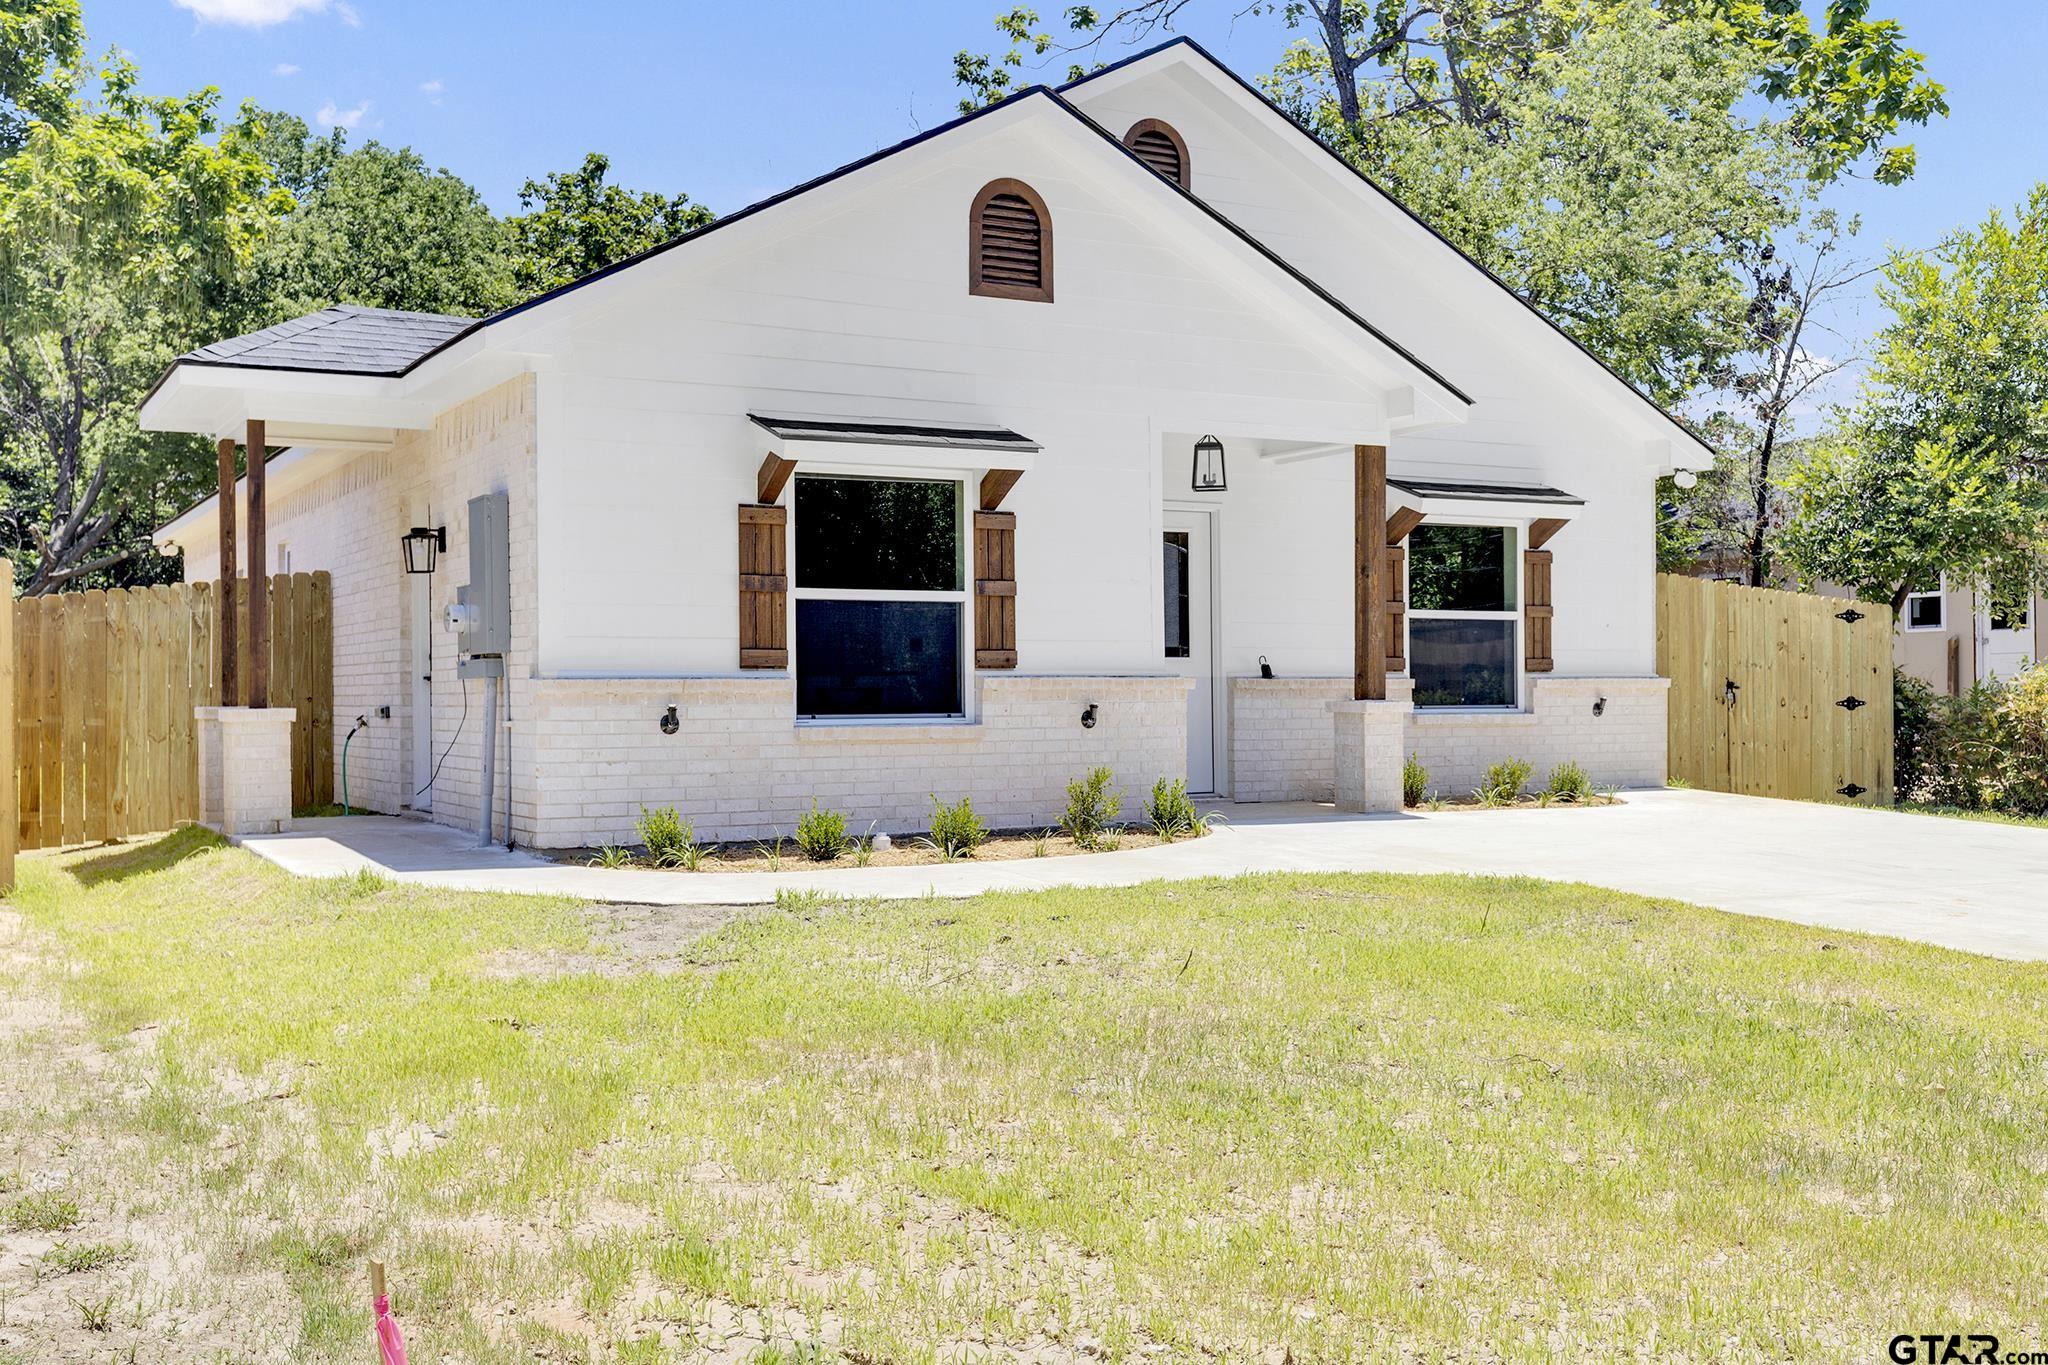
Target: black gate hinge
[1852,616]
[1851,703]
[1852,791]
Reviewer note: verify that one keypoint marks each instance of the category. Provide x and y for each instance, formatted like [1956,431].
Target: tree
[41,44]
[1729,520]
[1941,464]
[373,226]
[573,224]
[121,221]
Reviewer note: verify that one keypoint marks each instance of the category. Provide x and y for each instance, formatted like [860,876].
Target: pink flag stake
[390,1344]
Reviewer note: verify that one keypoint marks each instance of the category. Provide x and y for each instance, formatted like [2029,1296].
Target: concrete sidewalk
[1974,885]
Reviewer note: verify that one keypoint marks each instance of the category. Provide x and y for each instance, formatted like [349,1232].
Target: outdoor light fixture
[1088,717]
[669,722]
[422,543]
[1685,478]
[1209,475]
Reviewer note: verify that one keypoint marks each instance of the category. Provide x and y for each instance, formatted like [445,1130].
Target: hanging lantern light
[421,544]
[1209,476]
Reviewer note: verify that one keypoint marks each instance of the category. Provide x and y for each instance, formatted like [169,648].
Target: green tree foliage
[41,46]
[122,221]
[575,223]
[1941,464]
[374,226]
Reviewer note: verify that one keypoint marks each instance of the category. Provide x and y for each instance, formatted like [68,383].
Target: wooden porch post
[230,680]
[259,576]
[1369,579]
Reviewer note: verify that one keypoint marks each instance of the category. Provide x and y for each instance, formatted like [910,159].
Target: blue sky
[730,103]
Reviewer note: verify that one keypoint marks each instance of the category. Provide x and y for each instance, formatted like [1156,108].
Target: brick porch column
[245,768]
[1368,737]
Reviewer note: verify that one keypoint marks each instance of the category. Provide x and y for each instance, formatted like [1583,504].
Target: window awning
[1003,455]
[1411,501]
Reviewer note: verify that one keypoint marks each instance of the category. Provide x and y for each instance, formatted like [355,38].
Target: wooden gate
[1777,693]
[104,688]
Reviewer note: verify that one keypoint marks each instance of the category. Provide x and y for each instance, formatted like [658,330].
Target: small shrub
[664,833]
[1984,750]
[1041,843]
[821,834]
[1569,782]
[956,830]
[1171,812]
[1091,806]
[773,852]
[1111,839]
[1414,781]
[863,851]
[612,855]
[1503,783]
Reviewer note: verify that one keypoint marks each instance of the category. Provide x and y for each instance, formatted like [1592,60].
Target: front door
[422,659]
[2007,633]
[1189,634]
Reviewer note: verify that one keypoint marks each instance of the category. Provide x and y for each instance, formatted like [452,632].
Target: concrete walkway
[1968,884]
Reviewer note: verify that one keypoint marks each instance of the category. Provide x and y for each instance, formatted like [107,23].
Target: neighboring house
[1042,309]
[1950,637]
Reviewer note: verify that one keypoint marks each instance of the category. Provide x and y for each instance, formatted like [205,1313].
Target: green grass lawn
[1331,1116]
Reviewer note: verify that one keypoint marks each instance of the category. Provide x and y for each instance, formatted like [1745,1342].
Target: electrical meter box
[485,633]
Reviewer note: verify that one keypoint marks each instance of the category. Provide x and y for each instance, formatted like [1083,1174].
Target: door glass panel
[1175,578]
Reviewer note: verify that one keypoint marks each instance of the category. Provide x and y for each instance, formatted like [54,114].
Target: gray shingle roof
[343,339]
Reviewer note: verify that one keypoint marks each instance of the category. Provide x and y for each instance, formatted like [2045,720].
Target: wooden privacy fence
[104,688]
[1777,693]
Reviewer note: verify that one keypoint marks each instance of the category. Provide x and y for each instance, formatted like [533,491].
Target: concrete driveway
[1974,885]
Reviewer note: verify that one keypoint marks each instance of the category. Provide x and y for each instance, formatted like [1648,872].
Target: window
[1463,604]
[2007,613]
[1009,246]
[1925,609]
[880,597]
[1176,581]
[1161,148]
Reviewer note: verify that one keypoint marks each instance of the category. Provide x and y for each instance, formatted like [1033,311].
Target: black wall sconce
[1599,706]
[670,722]
[1210,475]
[1088,717]
[421,544]
[1265,669]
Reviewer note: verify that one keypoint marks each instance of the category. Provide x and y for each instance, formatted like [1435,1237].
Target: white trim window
[1464,597]
[879,596]
[1927,608]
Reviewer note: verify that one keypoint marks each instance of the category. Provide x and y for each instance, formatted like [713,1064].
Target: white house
[892,486]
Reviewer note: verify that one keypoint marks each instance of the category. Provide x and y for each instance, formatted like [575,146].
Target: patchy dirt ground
[627,940]
[106,1252]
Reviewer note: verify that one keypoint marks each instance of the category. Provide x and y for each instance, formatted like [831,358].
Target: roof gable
[358,341]
[1186,53]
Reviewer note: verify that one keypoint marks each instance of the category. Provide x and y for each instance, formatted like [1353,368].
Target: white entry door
[2006,636]
[1189,634]
[422,661]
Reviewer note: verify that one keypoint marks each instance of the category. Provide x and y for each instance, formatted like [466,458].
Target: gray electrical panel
[486,632]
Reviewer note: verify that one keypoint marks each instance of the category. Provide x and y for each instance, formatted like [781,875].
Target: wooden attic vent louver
[1161,148]
[1010,247]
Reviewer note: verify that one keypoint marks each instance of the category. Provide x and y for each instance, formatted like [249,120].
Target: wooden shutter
[764,586]
[1536,612]
[1161,148]
[995,589]
[1010,243]
[1397,609]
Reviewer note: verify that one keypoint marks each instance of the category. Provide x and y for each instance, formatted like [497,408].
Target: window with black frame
[1464,609]
[880,597]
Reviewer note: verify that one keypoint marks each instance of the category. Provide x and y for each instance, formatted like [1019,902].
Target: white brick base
[739,765]
[1280,740]
[245,768]
[1366,753]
